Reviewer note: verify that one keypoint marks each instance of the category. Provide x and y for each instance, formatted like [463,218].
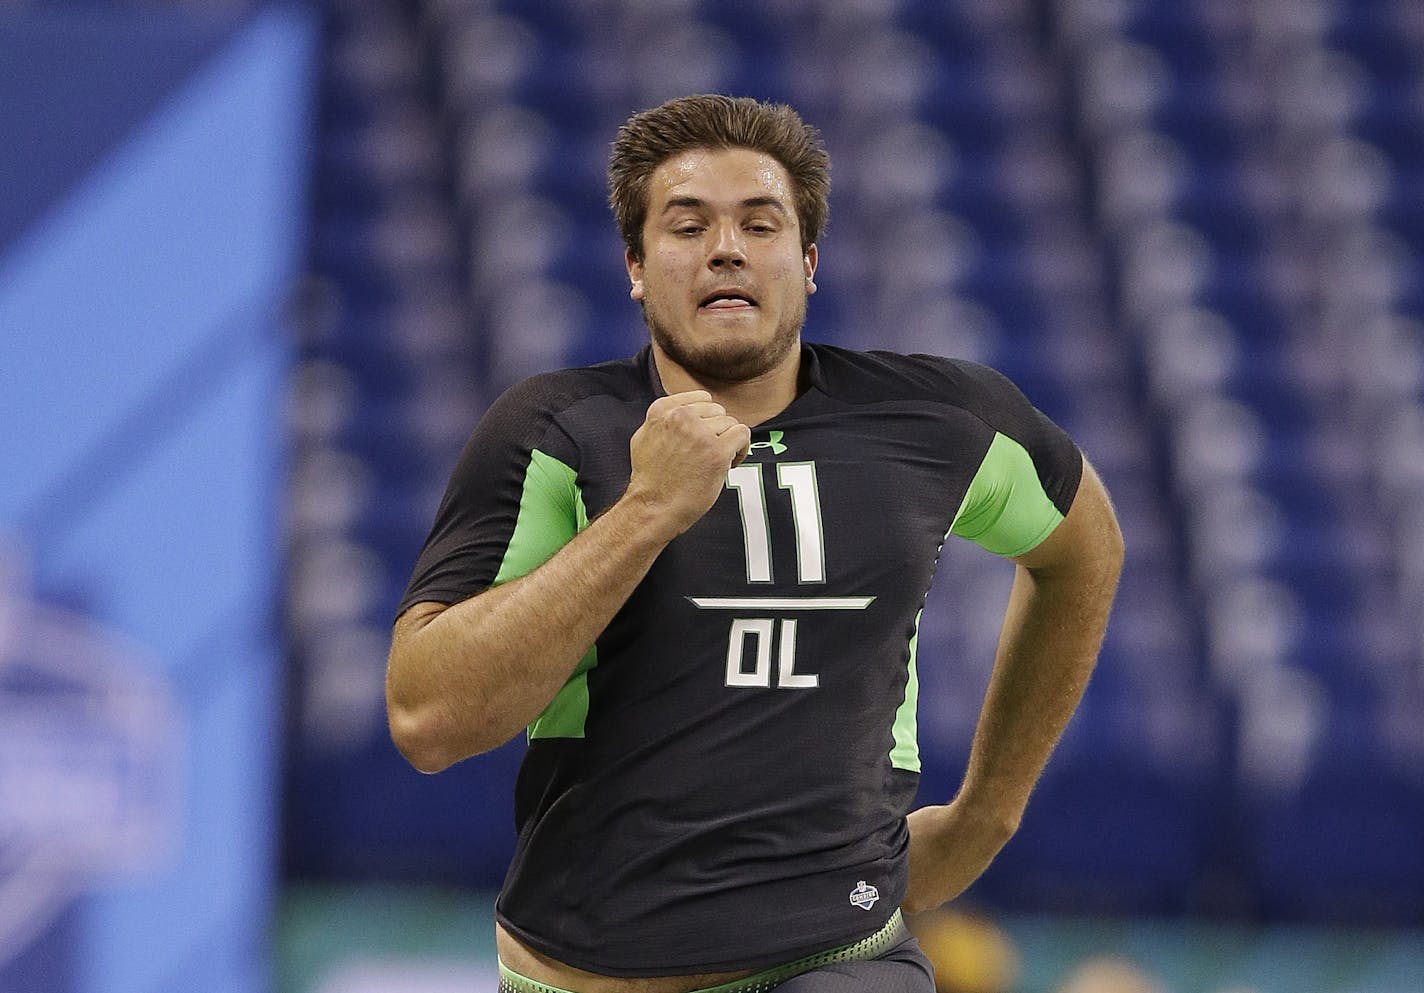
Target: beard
[731,359]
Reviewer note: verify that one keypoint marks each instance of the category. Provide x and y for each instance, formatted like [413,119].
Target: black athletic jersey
[723,781]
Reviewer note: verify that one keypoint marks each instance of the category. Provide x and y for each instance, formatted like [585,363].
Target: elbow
[1004,825]
[1113,542]
[416,743]
[432,724]
[1115,538]
[431,739]
[1104,562]
[421,740]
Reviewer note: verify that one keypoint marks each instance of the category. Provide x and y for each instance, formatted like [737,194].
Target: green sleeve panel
[551,512]
[1006,510]
[905,753]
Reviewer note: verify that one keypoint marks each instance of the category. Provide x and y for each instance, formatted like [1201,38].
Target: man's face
[723,280]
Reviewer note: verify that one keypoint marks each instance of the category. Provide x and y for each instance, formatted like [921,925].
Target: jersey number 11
[799,480]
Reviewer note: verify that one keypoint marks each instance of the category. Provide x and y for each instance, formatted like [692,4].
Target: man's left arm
[1053,629]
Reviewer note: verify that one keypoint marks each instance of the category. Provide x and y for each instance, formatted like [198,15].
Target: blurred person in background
[969,952]
[694,578]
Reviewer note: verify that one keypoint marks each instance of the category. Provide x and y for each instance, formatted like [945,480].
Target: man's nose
[727,249]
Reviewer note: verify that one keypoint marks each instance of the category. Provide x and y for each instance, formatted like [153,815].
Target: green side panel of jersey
[551,512]
[1006,511]
[905,754]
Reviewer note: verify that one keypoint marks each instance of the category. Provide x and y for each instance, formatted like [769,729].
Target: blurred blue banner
[147,241]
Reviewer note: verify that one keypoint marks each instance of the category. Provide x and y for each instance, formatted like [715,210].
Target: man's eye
[688,229]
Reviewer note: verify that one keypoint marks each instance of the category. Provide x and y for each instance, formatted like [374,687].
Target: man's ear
[810,261]
[635,274]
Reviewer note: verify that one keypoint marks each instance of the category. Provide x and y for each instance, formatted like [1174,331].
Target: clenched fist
[681,456]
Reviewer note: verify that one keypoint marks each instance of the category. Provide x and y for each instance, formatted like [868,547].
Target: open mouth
[731,300]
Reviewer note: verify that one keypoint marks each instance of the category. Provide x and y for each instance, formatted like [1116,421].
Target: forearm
[465,679]
[1053,630]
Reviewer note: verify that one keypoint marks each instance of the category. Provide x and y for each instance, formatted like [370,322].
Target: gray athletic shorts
[902,969]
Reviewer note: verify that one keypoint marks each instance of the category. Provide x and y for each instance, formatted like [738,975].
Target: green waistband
[867,948]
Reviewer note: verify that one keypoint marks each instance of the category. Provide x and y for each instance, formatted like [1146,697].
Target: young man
[695,577]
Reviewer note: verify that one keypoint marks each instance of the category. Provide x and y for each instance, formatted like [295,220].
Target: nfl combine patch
[864,895]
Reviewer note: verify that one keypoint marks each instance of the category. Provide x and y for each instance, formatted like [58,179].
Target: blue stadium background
[1191,232]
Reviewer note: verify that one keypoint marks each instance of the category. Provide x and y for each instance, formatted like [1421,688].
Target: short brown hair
[651,137]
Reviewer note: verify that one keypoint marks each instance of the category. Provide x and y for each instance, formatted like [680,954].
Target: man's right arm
[465,678]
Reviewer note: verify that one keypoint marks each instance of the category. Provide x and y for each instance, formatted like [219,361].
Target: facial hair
[729,361]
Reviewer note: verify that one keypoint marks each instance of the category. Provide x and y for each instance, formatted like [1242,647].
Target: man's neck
[750,401]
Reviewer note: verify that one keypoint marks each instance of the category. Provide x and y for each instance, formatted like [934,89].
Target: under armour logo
[774,444]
